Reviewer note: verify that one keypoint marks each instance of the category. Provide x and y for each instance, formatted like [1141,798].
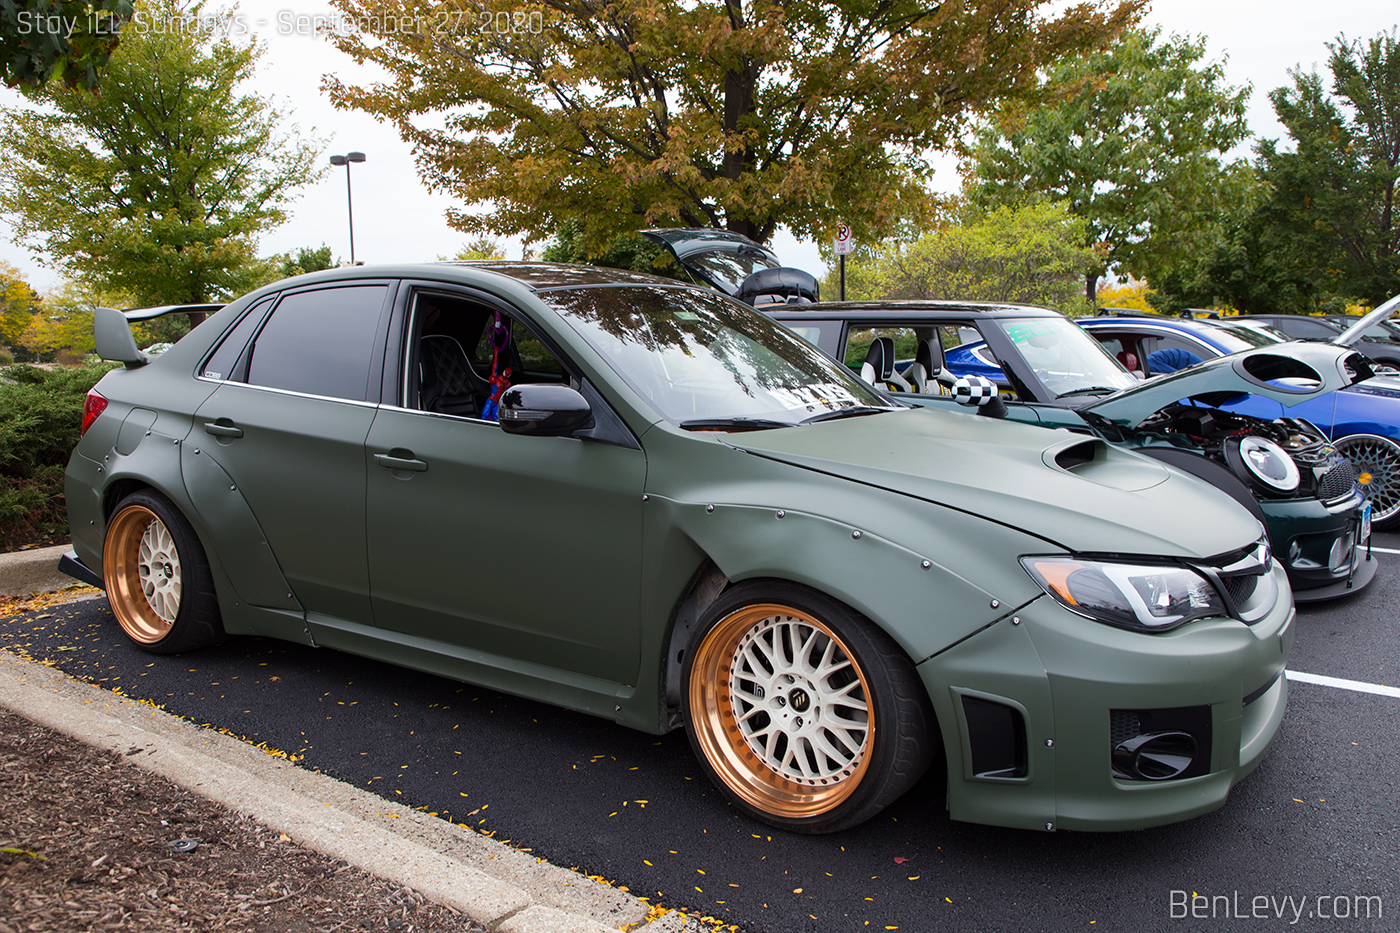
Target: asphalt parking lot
[1311,840]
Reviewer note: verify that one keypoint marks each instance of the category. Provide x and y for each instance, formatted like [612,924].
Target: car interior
[460,345]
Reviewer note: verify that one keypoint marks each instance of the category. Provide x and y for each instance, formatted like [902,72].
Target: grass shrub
[41,412]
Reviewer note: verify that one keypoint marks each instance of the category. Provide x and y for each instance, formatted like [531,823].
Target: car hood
[1355,332]
[1077,492]
[1287,373]
[685,241]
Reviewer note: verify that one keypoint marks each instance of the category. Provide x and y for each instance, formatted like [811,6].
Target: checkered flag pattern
[974,390]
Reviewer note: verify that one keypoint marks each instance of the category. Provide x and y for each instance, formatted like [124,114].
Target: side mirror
[112,335]
[980,393]
[543,410]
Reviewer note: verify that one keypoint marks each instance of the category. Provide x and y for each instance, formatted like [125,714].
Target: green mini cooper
[646,501]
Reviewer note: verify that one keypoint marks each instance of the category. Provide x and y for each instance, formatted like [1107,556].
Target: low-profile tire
[157,577]
[803,713]
[1377,461]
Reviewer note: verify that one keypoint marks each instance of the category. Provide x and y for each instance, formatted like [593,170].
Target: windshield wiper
[851,412]
[1089,390]
[733,424]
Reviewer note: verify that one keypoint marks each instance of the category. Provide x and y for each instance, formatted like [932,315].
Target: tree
[1324,232]
[1132,138]
[18,303]
[733,114]
[306,260]
[1032,254]
[67,39]
[479,248]
[159,184]
[630,251]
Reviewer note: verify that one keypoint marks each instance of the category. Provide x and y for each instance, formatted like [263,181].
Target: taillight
[93,406]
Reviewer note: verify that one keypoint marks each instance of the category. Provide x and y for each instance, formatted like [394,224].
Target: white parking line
[1385,550]
[1359,686]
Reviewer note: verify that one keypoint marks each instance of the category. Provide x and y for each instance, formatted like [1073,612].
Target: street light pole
[345,160]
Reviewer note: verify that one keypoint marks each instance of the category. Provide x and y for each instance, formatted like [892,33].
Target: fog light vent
[1156,756]
[997,734]
[1159,744]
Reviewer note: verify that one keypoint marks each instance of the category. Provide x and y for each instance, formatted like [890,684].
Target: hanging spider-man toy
[500,378]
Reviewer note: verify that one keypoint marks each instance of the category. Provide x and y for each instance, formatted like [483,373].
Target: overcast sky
[398,219]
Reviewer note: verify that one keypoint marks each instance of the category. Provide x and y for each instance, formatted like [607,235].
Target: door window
[320,342]
[223,360]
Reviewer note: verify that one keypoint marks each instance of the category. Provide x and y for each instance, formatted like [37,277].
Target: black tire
[756,720]
[157,577]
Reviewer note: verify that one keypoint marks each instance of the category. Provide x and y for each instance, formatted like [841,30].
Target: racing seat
[878,368]
[446,381]
[924,374]
[1128,359]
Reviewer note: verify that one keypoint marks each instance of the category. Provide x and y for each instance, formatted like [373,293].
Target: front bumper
[1320,545]
[1064,676]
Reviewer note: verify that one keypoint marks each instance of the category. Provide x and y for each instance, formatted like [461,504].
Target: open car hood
[1355,332]
[1288,373]
[684,241]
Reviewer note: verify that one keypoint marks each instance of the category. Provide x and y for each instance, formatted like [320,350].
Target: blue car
[1362,419]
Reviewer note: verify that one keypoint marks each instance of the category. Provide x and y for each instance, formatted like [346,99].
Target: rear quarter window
[320,342]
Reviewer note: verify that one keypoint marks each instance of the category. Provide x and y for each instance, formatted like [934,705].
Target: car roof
[536,276]
[1200,328]
[910,312]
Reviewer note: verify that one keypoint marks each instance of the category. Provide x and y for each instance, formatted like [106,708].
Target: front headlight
[1141,597]
[1268,463]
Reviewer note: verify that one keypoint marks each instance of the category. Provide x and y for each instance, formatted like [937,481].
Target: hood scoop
[1089,460]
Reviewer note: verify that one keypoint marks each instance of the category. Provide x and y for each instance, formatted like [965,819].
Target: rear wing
[112,330]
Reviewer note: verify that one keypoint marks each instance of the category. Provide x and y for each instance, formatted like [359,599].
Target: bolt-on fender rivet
[617,709]
[231,486]
[1015,620]
[196,450]
[108,457]
[1050,827]
[148,433]
[289,595]
[855,534]
[99,469]
[996,603]
[709,508]
[781,513]
[91,522]
[926,564]
[1049,743]
[645,497]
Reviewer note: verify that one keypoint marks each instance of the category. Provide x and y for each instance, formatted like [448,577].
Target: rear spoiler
[150,314]
[112,330]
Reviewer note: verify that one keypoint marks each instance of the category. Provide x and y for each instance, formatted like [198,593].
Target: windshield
[729,269]
[1065,358]
[697,356]
[1237,337]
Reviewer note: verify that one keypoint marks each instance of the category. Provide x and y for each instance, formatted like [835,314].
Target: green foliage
[630,251]
[160,184]
[732,114]
[41,412]
[18,303]
[479,248]
[1033,254]
[306,260]
[1132,139]
[66,39]
[1325,231]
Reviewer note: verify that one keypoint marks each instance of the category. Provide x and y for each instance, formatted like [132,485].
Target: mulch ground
[90,842]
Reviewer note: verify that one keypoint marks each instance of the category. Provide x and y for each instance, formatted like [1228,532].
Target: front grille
[1337,482]
[1240,587]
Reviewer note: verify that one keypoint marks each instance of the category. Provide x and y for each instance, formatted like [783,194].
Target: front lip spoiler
[75,568]
[1365,572]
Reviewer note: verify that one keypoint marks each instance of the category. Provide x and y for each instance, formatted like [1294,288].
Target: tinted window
[319,342]
[221,363]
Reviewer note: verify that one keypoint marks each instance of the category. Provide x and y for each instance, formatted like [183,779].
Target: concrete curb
[23,573]
[495,885]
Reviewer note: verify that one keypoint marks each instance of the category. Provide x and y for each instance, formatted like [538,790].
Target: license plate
[1365,522]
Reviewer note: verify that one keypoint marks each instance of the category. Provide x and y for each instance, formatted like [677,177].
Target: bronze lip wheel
[782,711]
[142,572]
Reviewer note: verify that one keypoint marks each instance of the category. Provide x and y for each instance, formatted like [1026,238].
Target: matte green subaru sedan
[643,500]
